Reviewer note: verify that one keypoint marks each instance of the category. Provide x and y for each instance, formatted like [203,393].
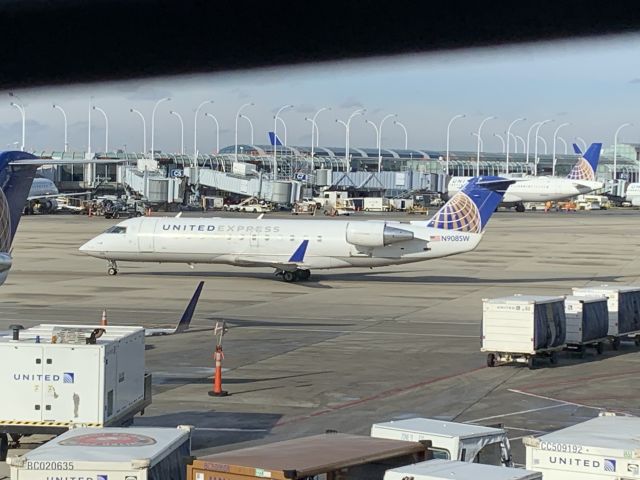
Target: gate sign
[176,173]
[301,176]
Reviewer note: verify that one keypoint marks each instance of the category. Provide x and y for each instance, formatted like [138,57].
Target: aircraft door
[146,235]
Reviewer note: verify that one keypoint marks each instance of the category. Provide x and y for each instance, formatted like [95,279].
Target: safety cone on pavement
[103,320]
[217,378]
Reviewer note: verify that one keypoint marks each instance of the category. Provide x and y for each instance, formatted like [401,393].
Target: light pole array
[153,120]
[555,139]
[315,132]
[504,147]
[64,116]
[461,115]
[106,128]
[564,143]
[284,127]
[384,119]
[144,129]
[480,143]
[347,124]
[171,112]
[583,143]
[217,130]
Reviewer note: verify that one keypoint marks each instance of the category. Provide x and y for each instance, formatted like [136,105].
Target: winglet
[298,255]
[183,324]
[274,140]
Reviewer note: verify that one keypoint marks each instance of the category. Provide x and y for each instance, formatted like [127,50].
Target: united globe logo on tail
[459,214]
[585,168]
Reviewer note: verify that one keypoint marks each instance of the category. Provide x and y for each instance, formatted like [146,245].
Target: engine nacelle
[375,234]
[47,205]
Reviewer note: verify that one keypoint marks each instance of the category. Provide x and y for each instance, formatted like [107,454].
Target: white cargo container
[57,376]
[451,440]
[605,447]
[587,322]
[375,204]
[109,453]
[624,309]
[520,328]
[452,470]
[241,168]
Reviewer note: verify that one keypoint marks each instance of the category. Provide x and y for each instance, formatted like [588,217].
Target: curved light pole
[153,120]
[250,125]
[171,112]
[217,130]
[508,138]
[565,144]
[359,111]
[515,141]
[535,148]
[406,136]
[480,142]
[64,116]
[615,150]
[534,125]
[521,138]
[284,126]
[249,104]
[375,127]
[461,115]
[195,126]
[475,134]
[555,138]
[545,144]
[23,114]
[106,128]
[275,137]
[504,146]
[314,128]
[144,129]
[384,119]
[584,144]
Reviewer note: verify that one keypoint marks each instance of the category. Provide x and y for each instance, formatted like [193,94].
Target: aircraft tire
[288,276]
[520,208]
[112,271]
[4,446]
[304,274]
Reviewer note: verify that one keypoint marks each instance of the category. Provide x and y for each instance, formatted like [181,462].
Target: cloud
[351,103]
[240,93]
[562,114]
[147,93]
[634,80]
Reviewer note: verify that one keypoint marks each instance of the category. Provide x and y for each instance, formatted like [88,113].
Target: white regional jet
[43,194]
[294,247]
[581,180]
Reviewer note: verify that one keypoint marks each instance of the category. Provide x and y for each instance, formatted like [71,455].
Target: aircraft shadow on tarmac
[229,381]
[213,429]
[239,323]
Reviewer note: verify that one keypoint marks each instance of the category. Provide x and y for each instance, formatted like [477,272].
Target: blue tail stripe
[183,324]
[15,182]
[274,140]
[592,155]
[298,255]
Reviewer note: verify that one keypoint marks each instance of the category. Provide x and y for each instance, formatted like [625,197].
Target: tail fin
[15,182]
[183,324]
[585,168]
[274,140]
[469,210]
[576,149]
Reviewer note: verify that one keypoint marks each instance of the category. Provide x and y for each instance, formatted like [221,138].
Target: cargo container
[624,310]
[109,453]
[241,168]
[332,455]
[451,440]
[452,470]
[587,322]
[521,328]
[53,377]
[603,448]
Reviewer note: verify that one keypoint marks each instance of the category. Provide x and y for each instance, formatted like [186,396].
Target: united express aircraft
[295,247]
[581,180]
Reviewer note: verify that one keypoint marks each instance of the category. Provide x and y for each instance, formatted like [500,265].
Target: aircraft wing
[58,195]
[183,325]
[291,265]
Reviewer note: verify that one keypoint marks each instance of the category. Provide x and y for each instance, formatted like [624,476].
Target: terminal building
[292,172]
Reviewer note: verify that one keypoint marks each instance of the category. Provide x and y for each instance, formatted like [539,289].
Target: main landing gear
[299,275]
[520,207]
[113,268]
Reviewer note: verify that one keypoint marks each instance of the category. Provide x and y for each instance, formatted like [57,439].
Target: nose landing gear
[300,274]
[113,268]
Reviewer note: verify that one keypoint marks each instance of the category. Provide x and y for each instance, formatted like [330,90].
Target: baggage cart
[587,323]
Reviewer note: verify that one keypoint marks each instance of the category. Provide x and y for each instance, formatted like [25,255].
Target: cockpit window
[116,229]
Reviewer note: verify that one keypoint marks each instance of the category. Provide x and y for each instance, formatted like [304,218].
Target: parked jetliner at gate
[294,247]
[581,180]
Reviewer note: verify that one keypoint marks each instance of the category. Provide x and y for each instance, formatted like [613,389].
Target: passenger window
[292,238]
[319,238]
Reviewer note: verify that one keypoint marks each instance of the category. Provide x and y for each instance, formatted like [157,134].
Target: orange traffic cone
[103,320]
[217,378]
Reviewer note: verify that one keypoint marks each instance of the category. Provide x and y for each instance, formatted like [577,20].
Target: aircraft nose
[90,247]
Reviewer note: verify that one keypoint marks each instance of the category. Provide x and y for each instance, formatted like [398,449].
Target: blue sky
[593,84]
